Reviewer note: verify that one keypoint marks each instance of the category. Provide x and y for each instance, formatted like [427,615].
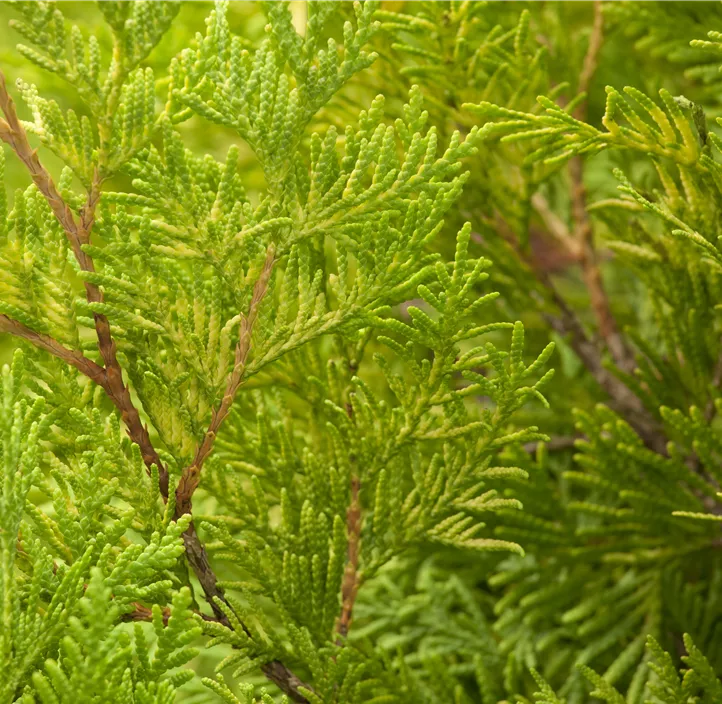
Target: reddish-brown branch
[568,324]
[591,58]
[197,556]
[78,233]
[44,342]
[111,377]
[278,673]
[591,272]
[13,133]
[117,390]
[191,475]
[350,584]
[145,613]
[583,234]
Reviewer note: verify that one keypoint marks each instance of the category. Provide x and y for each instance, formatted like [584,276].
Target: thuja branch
[350,584]
[110,377]
[583,234]
[13,133]
[44,342]
[78,233]
[191,474]
[196,553]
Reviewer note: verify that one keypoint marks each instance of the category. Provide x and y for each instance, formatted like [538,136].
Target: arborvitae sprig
[251,92]
[136,29]
[667,686]
[287,395]
[673,132]
[670,34]
[615,557]
[459,50]
[174,296]
[49,556]
[100,659]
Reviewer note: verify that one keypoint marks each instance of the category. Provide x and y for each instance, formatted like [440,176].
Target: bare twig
[197,557]
[623,400]
[276,671]
[589,67]
[583,234]
[568,324]
[286,681]
[350,584]
[145,613]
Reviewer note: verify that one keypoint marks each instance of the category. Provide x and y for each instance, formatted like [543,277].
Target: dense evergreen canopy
[361,353]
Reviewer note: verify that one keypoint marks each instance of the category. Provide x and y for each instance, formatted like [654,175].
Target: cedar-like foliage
[279,420]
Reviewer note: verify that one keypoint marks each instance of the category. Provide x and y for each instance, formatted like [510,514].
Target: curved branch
[111,377]
[74,358]
[276,671]
[191,474]
[583,234]
[78,233]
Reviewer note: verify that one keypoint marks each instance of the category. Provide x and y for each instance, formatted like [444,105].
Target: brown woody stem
[110,378]
[568,324]
[196,554]
[350,584]
[78,233]
[583,234]
[13,133]
[145,613]
[623,400]
[191,475]
[44,342]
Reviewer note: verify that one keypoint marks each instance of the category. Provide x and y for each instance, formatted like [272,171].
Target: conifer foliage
[191,291]
[278,420]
